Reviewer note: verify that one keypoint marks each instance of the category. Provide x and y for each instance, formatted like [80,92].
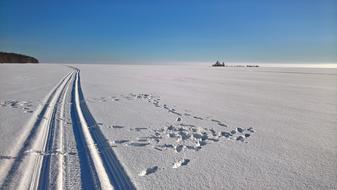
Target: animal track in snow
[178,135]
[116,126]
[24,105]
[178,148]
[3,157]
[180,163]
[155,100]
[148,171]
[140,128]
[219,122]
[197,117]
[119,141]
[139,144]
[190,136]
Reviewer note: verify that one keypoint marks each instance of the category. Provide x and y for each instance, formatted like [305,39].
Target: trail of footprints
[177,136]
[26,106]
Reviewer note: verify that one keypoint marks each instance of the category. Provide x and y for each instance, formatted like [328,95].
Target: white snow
[291,111]
[194,126]
[27,85]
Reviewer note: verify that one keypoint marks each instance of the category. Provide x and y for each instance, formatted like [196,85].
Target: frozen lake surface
[167,126]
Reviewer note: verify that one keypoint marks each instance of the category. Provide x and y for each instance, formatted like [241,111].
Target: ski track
[42,161]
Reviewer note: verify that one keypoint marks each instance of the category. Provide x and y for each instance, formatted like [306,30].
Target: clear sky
[170,30]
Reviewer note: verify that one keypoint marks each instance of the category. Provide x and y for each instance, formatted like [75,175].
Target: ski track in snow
[43,159]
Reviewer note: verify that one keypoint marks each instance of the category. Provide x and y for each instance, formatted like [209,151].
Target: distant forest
[16,58]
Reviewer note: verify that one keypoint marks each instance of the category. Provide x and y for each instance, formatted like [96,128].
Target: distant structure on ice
[252,66]
[218,64]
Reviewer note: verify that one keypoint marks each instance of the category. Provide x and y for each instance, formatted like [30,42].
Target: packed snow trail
[51,175]
[107,167]
[25,171]
[41,163]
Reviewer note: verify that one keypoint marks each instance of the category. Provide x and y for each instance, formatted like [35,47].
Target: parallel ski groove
[107,166]
[44,161]
[39,121]
[90,143]
[60,158]
[55,129]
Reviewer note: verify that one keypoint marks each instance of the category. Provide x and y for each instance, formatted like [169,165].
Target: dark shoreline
[16,58]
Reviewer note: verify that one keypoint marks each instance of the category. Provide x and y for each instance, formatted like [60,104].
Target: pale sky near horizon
[104,31]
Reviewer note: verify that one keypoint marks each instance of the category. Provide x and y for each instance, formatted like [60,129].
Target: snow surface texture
[23,88]
[292,113]
[159,127]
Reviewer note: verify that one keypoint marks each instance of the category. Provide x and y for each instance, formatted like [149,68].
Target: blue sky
[170,30]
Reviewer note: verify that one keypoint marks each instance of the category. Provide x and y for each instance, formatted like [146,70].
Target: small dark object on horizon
[218,64]
[252,66]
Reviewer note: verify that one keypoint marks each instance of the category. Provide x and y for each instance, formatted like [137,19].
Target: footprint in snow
[197,117]
[214,120]
[219,123]
[138,144]
[178,148]
[148,171]
[240,130]
[140,139]
[240,138]
[116,127]
[180,163]
[3,157]
[120,141]
[140,128]
[222,124]
[250,129]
